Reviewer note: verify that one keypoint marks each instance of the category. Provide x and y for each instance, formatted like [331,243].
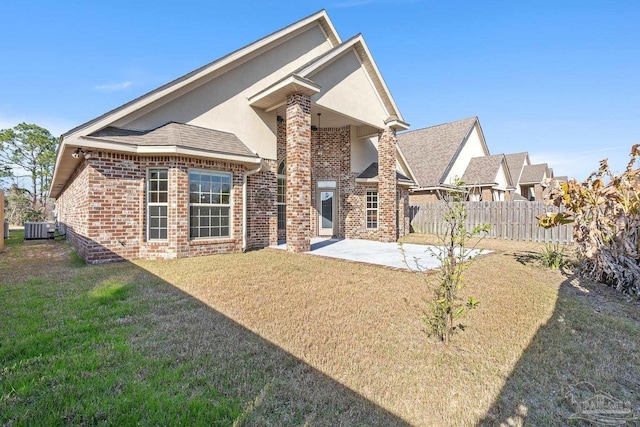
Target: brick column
[387,184]
[298,173]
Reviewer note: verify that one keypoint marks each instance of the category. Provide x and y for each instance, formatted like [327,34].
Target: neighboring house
[516,163]
[435,157]
[292,136]
[488,179]
[531,181]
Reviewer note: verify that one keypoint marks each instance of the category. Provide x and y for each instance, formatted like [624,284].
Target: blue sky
[558,79]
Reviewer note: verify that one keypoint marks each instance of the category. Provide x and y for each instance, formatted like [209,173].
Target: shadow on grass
[115,344]
[526,257]
[581,367]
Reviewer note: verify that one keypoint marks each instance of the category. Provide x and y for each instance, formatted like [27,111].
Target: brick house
[289,137]
[487,179]
[438,155]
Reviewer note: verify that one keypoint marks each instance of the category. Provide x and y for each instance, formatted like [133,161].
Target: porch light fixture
[76,153]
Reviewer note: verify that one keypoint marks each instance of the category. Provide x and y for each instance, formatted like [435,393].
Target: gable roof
[483,171]
[301,79]
[533,174]
[178,135]
[321,17]
[515,163]
[431,151]
[77,136]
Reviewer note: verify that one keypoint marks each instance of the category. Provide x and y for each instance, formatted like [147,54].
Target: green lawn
[271,338]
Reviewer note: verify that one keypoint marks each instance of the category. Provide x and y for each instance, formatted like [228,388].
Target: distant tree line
[27,159]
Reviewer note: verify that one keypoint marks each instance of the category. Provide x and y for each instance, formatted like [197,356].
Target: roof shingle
[372,172]
[180,135]
[533,174]
[430,151]
[483,170]
[515,163]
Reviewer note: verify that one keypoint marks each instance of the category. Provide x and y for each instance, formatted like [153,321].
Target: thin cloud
[113,87]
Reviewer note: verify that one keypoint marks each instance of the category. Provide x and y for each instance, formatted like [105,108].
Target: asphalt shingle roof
[180,135]
[533,174]
[430,151]
[515,162]
[372,172]
[483,170]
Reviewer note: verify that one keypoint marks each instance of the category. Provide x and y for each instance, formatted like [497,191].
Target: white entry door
[326,212]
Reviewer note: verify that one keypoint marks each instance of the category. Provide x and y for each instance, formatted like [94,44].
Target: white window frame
[368,209]
[156,204]
[228,205]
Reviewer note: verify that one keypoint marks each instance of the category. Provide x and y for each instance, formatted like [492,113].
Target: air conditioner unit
[38,230]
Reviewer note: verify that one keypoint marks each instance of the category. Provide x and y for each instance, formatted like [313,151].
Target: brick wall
[104,208]
[387,185]
[262,214]
[423,197]
[331,161]
[298,173]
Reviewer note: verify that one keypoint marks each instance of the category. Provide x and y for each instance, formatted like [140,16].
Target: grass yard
[271,338]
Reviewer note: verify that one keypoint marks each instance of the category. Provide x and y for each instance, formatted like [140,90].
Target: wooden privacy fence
[508,220]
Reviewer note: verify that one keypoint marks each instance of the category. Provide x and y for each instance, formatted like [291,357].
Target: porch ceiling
[331,119]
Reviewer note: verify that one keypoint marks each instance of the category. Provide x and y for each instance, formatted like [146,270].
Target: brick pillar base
[387,185]
[298,173]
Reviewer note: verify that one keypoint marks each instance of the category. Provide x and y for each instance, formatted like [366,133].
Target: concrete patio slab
[379,253]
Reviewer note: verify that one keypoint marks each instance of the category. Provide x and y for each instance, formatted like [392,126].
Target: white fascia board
[398,125]
[404,160]
[379,76]
[295,81]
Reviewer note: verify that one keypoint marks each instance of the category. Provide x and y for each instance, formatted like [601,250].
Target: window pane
[213,188]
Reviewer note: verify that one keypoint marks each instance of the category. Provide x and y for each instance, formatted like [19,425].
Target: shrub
[455,256]
[605,211]
[552,256]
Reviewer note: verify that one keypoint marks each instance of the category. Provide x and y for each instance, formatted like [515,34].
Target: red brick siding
[387,185]
[112,186]
[298,173]
[423,197]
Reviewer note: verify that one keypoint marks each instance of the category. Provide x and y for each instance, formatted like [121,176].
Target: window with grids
[372,208]
[209,204]
[281,201]
[157,206]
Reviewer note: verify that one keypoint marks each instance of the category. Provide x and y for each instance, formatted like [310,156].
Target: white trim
[367,209]
[404,160]
[211,239]
[295,81]
[147,203]
[327,184]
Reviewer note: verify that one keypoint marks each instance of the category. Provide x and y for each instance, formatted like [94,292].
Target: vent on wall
[38,230]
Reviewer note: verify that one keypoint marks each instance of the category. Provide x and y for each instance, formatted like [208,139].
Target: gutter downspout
[244,204]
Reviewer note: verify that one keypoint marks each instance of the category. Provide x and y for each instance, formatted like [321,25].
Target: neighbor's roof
[483,171]
[533,174]
[179,135]
[515,163]
[371,172]
[430,151]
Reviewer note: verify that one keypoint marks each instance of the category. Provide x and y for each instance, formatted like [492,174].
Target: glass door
[326,212]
